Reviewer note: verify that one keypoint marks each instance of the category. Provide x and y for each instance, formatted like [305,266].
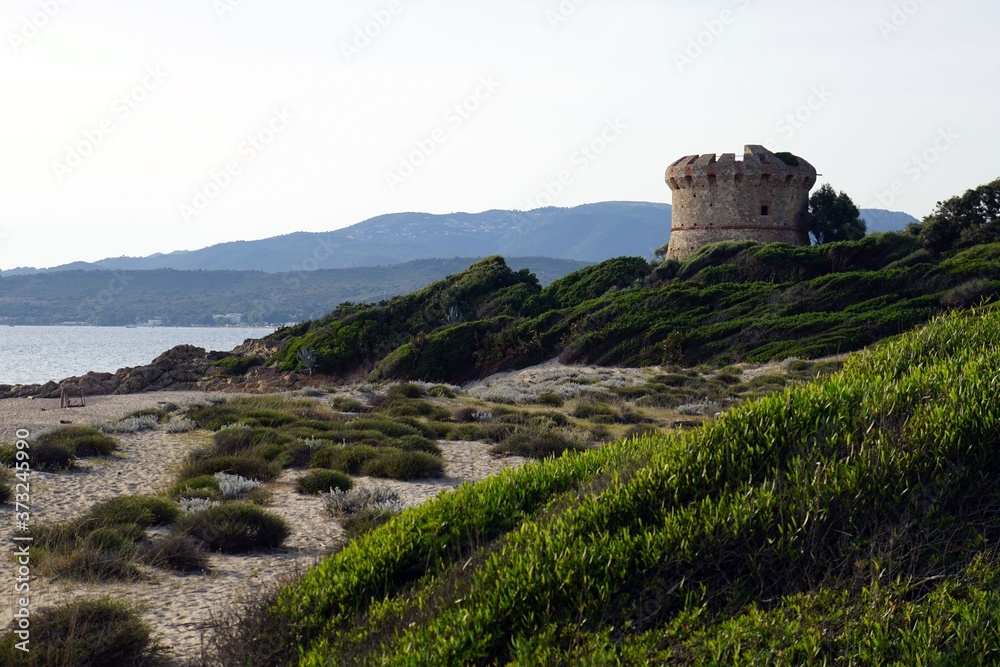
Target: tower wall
[720,198]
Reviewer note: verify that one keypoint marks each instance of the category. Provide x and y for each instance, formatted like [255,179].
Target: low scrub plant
[234,486]
[203,486]
[85,633]
[243,466]
[197,504]
[394,463]
[178,552]
[80,441]
[341,503]
[133,424]
[323,481]
[182,425]
[103,544]
[537,445]
[235,528]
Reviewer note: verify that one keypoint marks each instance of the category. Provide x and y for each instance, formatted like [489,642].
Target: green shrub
[321,481]
[441,391]
[144,511]
[552,400]
[349,460]
[204,486]
[120,539]
[86,633]
[295,455]
[178,551]
[404,391]
[51,457]
[89,563]
[364,521]
[235,441]
[237,365]
[536,445]
[80,441]
[250,468]
[594,409]
[235,528]
[349,405]
[396,464]
[417,443]
[160,414]
[415,407]
[387,427]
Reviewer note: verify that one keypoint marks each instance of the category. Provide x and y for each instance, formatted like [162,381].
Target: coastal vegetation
[842,518]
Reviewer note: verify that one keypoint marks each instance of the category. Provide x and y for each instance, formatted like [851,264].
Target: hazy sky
[138,127]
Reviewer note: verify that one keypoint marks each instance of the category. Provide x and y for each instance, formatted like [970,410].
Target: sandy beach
[179,606]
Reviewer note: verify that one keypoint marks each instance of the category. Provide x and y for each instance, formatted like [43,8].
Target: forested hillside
[186,298]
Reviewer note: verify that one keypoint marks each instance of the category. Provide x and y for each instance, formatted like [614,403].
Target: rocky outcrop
[182,368]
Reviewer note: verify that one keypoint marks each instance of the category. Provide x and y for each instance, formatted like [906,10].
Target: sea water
[35,355]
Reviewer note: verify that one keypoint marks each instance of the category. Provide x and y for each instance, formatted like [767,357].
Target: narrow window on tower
[765,208]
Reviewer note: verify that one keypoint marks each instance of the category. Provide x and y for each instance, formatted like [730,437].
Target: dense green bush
[236,365]
[203,486]
[250,468]
[80,441]
[235,441]
[394,463]
[145,511]
[51,457]
[178,552]
[321,481]
[235,528]
[542,445]
[349,460]
[86,633]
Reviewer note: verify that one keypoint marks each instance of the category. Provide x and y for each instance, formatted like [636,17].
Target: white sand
[179,607]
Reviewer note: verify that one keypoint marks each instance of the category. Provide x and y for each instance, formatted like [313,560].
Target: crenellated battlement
[758,165]
[719,198]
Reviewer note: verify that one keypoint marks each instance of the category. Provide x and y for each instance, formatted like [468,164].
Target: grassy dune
[853,520]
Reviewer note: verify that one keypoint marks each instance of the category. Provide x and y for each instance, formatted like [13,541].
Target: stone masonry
[720,198]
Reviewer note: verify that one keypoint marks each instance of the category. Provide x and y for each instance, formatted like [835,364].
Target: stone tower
[760,198]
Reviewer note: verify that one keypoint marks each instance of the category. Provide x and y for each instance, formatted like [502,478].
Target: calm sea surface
[35,355]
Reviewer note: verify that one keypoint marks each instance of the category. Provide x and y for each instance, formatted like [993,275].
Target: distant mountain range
[589,233]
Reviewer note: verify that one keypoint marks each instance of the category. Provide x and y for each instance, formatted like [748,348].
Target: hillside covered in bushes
[854,518]
[730,302]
